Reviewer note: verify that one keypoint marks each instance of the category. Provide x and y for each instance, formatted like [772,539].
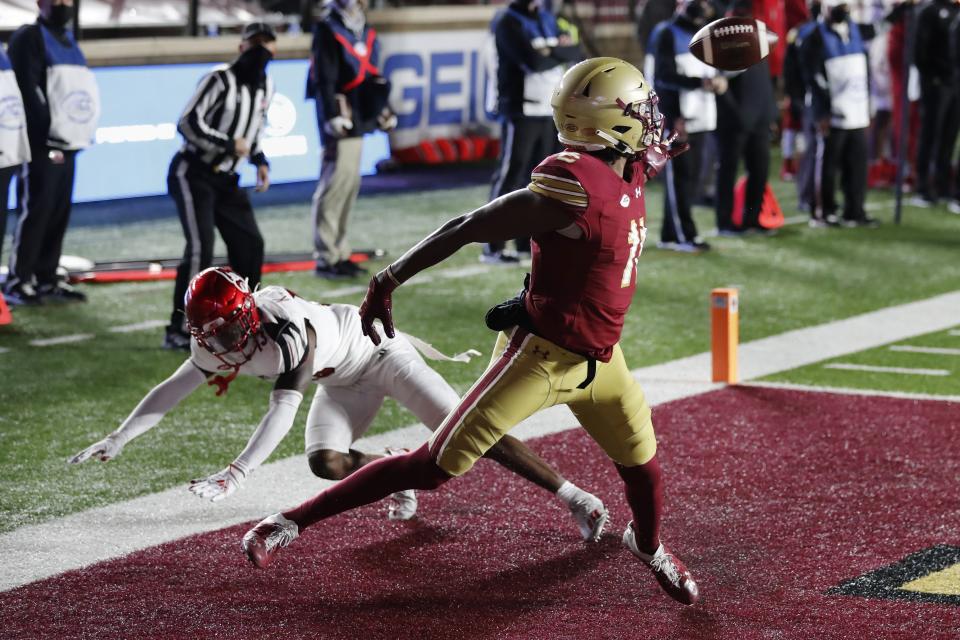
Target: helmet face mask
[606,103]
[648,113]
[222,315]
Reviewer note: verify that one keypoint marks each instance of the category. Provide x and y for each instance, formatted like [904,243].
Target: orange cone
[5,316]
[771,216]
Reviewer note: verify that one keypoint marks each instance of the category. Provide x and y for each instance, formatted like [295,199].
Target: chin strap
[222,382]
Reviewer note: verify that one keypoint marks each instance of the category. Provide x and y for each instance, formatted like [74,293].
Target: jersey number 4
[636,238]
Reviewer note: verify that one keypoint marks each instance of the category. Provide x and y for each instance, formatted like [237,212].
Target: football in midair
[733,44]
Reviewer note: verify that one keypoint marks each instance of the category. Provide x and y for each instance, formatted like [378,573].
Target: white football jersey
[341,354]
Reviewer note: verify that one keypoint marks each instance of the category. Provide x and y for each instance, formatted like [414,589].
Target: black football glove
[378,305]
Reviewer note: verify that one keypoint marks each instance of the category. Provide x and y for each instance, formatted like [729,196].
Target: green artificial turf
[890,356]
[58,399]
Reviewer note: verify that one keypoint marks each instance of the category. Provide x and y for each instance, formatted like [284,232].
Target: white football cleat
[668,569]
[590,515]
[403,505]
[261,543]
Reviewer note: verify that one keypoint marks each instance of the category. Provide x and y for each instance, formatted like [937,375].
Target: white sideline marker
[954,332]
[903,370]
[49,342]
[138,326]
[3,350]
[937,351]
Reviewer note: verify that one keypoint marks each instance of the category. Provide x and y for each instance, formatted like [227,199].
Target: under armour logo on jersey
[637,192]
[625,201]
[538,351]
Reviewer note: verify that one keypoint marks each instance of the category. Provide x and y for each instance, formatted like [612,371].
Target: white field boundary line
[954,332]
[848,391]
[936,351]
[52,342]
[146,325]
[906,371]
[104,533]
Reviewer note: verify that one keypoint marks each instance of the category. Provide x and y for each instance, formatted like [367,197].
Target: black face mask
[839,14]
[60,15]
[253,62]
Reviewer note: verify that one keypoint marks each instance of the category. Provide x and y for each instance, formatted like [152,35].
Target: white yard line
[954,332]
[104,533]
[51,342]
[846,366]
[343,292]
[4,350]
[937,351]
[146,325]
[847,391]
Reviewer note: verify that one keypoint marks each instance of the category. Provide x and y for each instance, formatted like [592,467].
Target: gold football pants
[529,373]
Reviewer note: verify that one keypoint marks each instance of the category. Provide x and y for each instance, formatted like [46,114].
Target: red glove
[655,157]
[378,305]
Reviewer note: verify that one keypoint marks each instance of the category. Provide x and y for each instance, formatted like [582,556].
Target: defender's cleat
[261,543]
[670,572]
[590,515]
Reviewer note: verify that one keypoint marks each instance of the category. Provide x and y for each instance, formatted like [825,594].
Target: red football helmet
[221,312]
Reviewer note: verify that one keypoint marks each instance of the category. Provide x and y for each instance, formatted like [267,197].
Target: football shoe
[176,340]
[261,543]
[60,292]
[350,269]
[402,505]
[22,294]
[668,569]
[499,258]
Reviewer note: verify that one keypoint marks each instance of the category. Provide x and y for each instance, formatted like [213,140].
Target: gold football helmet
[606,103]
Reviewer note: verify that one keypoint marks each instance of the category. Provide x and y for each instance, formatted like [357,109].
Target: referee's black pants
[524,142]
[754,145]
[845,153]
[46,192]
[206,200]
[680,179]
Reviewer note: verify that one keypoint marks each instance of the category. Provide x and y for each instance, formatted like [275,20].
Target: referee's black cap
[262,29]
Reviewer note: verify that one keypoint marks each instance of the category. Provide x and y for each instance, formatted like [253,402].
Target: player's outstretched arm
[285,399]
[517,214]
[156,404]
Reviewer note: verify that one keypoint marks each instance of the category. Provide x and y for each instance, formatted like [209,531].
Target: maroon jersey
[581,287]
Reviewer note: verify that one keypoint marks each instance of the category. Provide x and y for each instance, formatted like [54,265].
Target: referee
[221,125]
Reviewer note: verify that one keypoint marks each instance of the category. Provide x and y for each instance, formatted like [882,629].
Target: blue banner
[137,134]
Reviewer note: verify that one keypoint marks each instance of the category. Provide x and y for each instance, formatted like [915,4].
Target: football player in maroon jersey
[584,209]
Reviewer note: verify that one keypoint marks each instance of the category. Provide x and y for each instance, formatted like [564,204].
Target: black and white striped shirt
[221,110]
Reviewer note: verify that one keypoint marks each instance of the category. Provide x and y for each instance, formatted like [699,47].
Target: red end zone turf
[801,515]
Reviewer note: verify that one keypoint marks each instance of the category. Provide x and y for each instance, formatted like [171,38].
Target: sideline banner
[438,82]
